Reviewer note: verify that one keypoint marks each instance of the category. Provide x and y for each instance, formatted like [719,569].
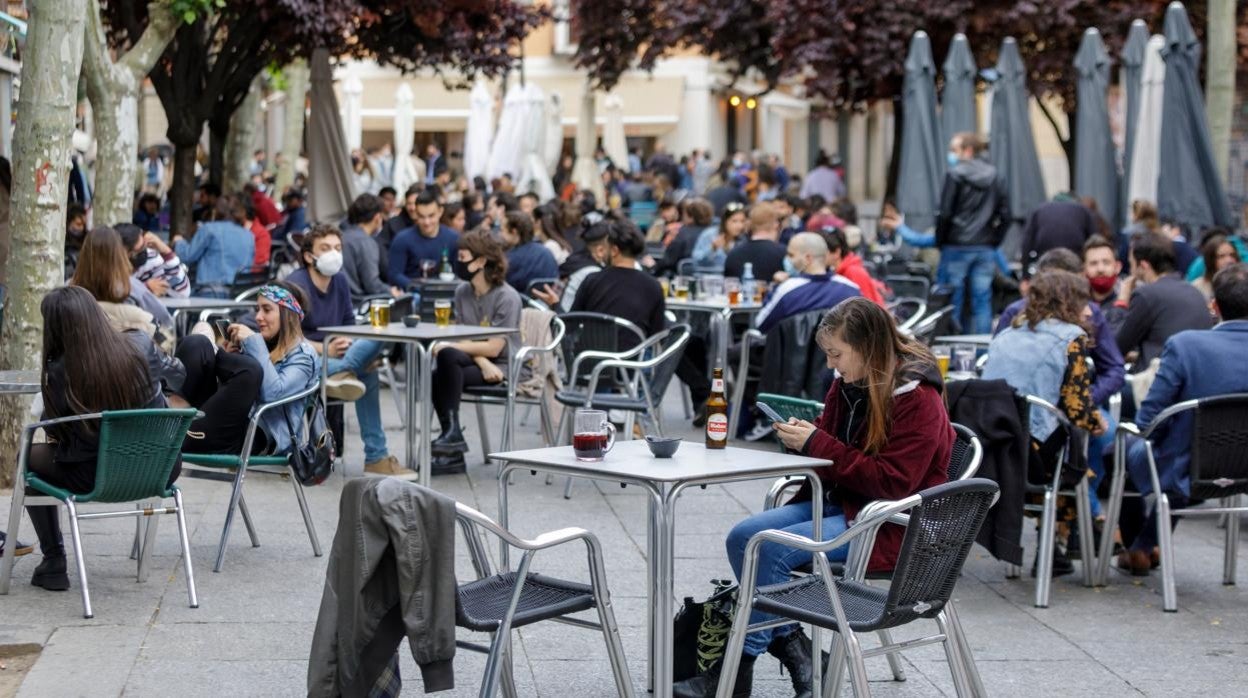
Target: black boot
[451,440]
[448,464]
[705,684]
[793,651]
[50,574]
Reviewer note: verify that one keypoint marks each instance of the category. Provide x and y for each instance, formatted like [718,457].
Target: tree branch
[98,68]
[162,26]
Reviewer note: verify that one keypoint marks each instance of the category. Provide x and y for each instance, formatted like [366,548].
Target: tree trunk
[292,134]
[1220,80]
[182,193]
[114,90]
[241,139]
[218,132]
[51,63]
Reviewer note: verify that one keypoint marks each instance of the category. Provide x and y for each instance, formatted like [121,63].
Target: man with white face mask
[349,377]
[361,252]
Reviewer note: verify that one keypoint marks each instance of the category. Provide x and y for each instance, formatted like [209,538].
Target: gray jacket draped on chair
[391,574]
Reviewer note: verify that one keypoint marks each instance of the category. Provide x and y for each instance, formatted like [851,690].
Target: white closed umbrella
[404,124]
[554,131]
[534,177]
[507,149]
[353,111]
[585,171]
[479,132]
[613,140]
[1146,153]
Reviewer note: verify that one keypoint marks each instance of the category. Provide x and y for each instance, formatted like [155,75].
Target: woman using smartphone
[885,428]
[226,380]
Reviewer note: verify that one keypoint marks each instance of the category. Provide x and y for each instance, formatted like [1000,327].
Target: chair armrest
[1050,408]
[791,540]
[1166,414]
[601,366]
[1128,428]
[302,394]
[594,354]
[545,540]
[772,500]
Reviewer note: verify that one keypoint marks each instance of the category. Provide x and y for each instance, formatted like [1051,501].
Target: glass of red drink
[593,436]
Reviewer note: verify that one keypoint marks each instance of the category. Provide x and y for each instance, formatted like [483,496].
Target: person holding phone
[226,379]
[885,428]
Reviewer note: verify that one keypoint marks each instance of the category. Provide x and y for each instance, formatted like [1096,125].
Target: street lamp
[751,103]
[735,100]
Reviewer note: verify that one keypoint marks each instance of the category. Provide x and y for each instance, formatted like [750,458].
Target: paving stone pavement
[251,634]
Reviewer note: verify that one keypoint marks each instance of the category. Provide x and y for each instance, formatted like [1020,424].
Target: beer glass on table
[732,287]
[442,312]
[379,313]
[593,436]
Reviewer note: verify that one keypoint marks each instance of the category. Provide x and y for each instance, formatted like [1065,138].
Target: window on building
[567,29]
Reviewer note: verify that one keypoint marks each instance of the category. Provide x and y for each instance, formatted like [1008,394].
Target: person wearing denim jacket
[219,249]
[229,381]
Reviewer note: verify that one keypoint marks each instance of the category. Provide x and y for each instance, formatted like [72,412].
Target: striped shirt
[169,268]
[802,294]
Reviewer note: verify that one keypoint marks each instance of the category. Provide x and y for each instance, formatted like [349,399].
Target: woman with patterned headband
[227,377]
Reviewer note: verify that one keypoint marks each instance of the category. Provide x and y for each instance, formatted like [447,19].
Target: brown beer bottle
[717,413]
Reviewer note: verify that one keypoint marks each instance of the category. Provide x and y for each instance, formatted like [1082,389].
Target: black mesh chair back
[963,454]
[905,286]
[433,290]
[250,277]
[596,332]
[940,534]
[1219,465]
[661,375]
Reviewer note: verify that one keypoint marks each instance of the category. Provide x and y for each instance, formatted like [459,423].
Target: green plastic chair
[234,468]
[137,451]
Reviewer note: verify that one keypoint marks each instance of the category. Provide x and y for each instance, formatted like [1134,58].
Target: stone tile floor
[251,634]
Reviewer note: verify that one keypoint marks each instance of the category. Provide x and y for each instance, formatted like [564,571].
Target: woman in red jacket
[885,429]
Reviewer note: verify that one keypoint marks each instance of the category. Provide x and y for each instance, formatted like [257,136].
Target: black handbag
[313,459]
[701,631]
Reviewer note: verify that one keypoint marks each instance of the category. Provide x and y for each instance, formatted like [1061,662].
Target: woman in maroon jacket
[885,429]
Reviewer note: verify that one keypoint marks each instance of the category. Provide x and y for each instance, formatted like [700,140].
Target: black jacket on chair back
[792,359]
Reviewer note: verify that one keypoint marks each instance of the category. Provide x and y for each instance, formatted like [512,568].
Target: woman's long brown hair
[889,355]
[103,266]
[1056,295]
[103,369]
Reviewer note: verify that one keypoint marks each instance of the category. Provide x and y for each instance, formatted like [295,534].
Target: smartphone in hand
[222,327]
[771,413]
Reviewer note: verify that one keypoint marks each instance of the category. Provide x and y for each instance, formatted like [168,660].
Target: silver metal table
[19,382]
[980,340]
[631,463]
[419,341]
[721,314]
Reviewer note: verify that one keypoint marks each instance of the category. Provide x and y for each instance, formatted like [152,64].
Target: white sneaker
[344,386]
[760,431]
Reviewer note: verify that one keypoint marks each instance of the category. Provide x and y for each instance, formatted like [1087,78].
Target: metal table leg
[410,454]
[426,414]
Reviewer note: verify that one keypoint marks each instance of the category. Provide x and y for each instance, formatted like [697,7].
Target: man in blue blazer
[1194,364]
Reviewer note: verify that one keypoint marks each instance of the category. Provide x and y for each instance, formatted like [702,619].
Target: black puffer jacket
[974,209]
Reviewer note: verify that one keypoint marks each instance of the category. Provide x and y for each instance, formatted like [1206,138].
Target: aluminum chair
[907,312]
[1050,491]
[940,530]
[506,393]
[212,466]
[648,369]
[964,461]
[928,328]
[500,602]
[1218,470]
[137,452]
[906,286]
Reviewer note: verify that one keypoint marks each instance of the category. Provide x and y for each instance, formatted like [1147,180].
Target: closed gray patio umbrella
[957,99]
[1132,69]
[1013,149]
[922,163]
[1096,171]
[1189,187]
[329,161]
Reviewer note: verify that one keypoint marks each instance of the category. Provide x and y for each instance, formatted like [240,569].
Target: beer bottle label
[717,427]
[717,385]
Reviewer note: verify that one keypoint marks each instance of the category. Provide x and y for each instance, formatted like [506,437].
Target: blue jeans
[775,562]
[1096,461]
[980,264]
[358,356]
